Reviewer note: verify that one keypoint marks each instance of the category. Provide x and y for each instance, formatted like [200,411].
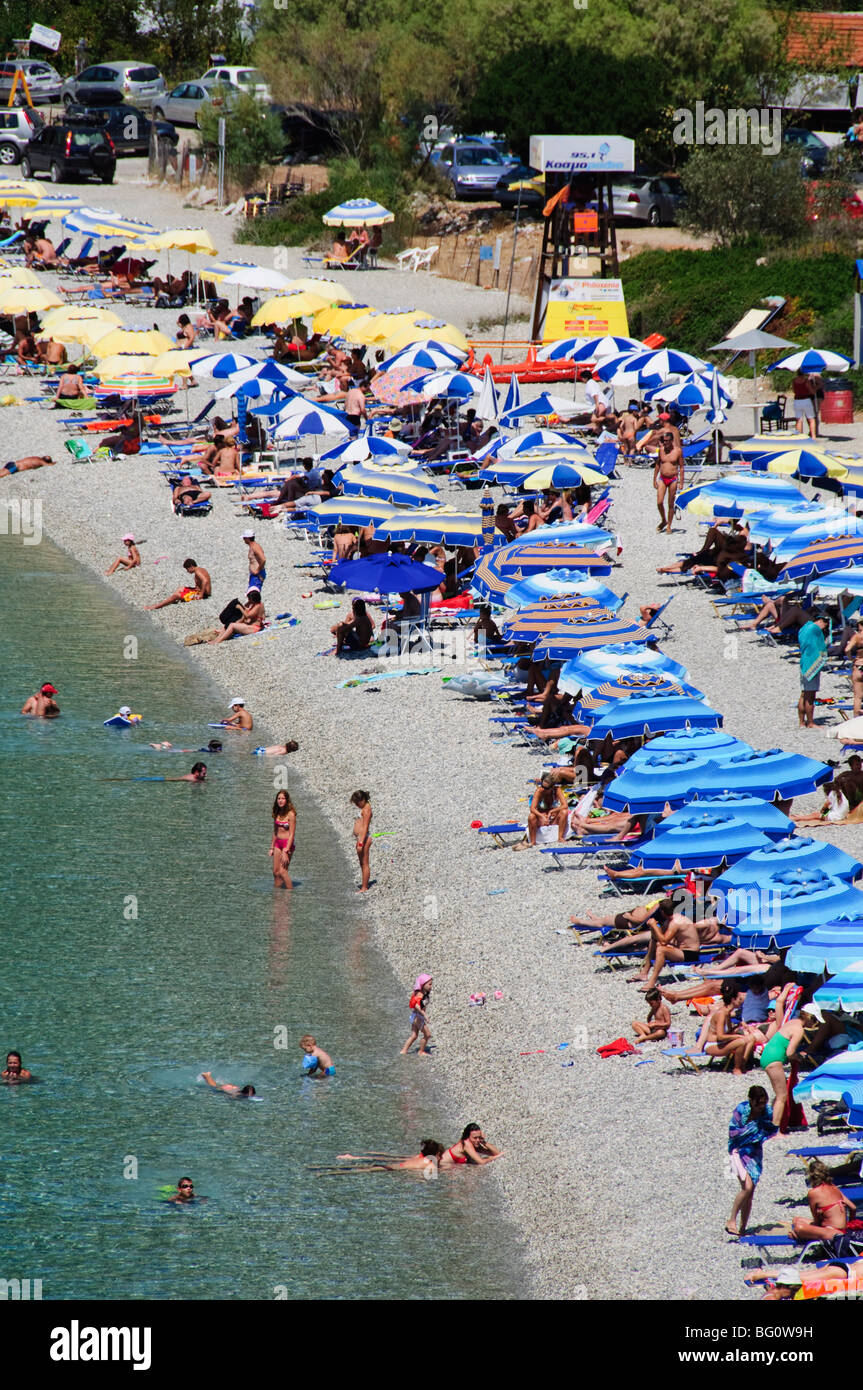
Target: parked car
[140,82]
[643,198]
[43,82]
[73,149]
[249,80]
[18,125]
[183,103]
[522,186]
[472,170]
[128,127]
[813,150]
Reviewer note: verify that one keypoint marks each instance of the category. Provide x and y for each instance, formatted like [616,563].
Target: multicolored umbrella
[823,556]
[775,523]
[737,493]
[643,683]
[562,474]
[844,581]
[520,558]
[836,525]
[702,741]
[695,390]
[588,671]
[435,526]
[352,511]
[395,386]
[805,462]
[552,617]
[104,222]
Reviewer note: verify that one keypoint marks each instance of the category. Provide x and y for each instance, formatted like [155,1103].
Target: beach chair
[643,883]
[585,851]
[664,627]
[200,508]
[692,1059]
[83,451]
[497,833]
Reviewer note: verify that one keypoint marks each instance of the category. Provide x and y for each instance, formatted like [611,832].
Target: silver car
[473,169]
[43,81]
[139,83]
[18,125]
[642,198]
[183,104]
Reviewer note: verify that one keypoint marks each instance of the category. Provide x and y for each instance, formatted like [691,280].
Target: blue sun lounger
[508,828]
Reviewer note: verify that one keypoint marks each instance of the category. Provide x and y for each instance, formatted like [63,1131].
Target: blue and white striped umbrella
[761,815]
[839,1078]
[314,419]
[774,523]
[829,948]
[823,557]
[104,222]
[736,493]
[836,524]
[449,383]
[812,360]
[847,581]
[556,583]
[591,669]
[392,485]
[431,357]
[632,367]
[783,910]
[371,446]
[358,212]
[513,395]
[222,364]
[272,371]
[695,390]
[795,858]
[644,713]
[845,991]
[588,349]
[705,742]
[539,439]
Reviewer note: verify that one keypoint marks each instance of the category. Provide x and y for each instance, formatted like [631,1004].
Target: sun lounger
[829,1150]
[83,451]
[691,1059]
[584,851]
[644,883]
[507,828]
[658,621]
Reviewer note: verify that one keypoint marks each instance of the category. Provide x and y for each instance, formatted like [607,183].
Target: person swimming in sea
[185,1193]
[214,746]
[236,1092]
[425,1162]
[14,1073]
[42,705]
[277,750]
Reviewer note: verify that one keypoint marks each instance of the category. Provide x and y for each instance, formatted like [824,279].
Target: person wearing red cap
[42,705]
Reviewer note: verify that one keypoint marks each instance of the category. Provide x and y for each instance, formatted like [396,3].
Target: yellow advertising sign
[585,309]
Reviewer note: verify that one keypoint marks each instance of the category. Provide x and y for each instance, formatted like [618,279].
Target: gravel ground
[615,1175]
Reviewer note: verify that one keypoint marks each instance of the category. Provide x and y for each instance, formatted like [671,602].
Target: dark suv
[68,150]
[128,128]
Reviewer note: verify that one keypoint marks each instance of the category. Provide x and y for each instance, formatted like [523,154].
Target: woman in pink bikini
[472,1147]
[284,835]
[830,1211]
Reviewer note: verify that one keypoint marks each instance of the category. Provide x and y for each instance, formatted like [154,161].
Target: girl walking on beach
[750,1126]
[419,1022]
[284,834]
[363,837]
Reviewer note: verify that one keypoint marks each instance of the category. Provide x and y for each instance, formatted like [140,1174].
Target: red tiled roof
[826,34]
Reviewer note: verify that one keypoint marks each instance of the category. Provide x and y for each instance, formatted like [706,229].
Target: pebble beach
[616,1173]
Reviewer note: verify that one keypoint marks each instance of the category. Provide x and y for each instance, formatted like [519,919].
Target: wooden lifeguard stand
[579,226]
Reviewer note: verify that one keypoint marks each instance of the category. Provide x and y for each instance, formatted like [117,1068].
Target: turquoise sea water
[117,1015]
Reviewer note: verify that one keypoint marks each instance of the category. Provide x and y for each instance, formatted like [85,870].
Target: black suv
[128,128]
[70,149]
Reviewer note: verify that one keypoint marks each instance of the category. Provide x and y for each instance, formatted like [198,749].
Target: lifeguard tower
[578,237]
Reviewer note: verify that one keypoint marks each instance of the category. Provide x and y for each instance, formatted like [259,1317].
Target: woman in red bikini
[284,835]
[472,1147]
[830,1211]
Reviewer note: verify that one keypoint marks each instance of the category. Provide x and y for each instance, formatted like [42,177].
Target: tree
[253,136]
[185,32]
[736,194]
[107,28]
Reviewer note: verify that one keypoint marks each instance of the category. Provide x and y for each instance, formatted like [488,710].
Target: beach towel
[619,1048]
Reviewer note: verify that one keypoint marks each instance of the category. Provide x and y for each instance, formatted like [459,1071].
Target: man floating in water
[237,1092]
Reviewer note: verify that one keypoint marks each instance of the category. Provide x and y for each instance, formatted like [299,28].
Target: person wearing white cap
[240,721]
[131,560]
[257,561]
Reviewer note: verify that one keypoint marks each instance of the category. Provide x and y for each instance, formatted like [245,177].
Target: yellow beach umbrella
[378,326]
[81,313]
[20,193]
[336,318]
[327,289]
[176,362]
[427,328]
[192,239]
[285,307]
[15,276]
[137,340]
[28,300]
[126,364]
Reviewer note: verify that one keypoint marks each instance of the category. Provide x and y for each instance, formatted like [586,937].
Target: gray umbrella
[752,342]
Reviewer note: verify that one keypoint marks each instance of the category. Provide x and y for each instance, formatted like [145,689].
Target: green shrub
[300,222]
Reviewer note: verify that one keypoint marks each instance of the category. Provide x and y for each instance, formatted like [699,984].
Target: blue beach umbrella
[520,558]
[543,404]
[844,992]
[370,446]
[530,624]
[708,743]
[830,947]
[698,840]
[451,383]
[590,669]
[795,857]
[696,390]
[561,473]
[553,583]
[630,367]
[645,683]
[222,364]
[761,815]
[771,773]
[540,439]
[644,712]
[358,212]
[435,526]
[821,557]
[299,417]
[386,574]
[581,635]
[588,349]
[839,1078]
[737,493]
[780,911]
[579,533]
[352,511]
[653,781]
[513,395]
[803,462]
[775,523]
[820,529]
[272,371]
[848,581]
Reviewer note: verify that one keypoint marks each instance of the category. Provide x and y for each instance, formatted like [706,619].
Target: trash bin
[837,407]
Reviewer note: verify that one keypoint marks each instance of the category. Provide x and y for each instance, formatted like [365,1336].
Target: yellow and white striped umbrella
[284,307]
[138,340]
[20,193]
[15,277]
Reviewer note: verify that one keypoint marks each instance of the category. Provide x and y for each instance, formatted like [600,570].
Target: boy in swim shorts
[316,1062]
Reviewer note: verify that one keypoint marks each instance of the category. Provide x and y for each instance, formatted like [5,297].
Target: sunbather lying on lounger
[635,918]
[784,614]
[790,1283]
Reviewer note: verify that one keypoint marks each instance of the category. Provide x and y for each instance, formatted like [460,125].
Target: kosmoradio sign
[582,154]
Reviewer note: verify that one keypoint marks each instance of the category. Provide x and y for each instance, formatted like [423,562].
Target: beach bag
[231,613]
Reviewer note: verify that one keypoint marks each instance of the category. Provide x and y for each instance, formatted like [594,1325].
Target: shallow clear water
[117,1017]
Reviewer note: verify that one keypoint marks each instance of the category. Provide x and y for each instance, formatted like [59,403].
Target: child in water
[418,1004]
[316,1062]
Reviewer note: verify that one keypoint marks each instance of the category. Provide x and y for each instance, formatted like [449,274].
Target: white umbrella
[486,406]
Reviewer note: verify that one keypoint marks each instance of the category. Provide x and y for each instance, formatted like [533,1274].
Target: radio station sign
[582,154]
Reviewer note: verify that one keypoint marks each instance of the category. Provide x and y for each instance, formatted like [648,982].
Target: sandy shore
[615,1172]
